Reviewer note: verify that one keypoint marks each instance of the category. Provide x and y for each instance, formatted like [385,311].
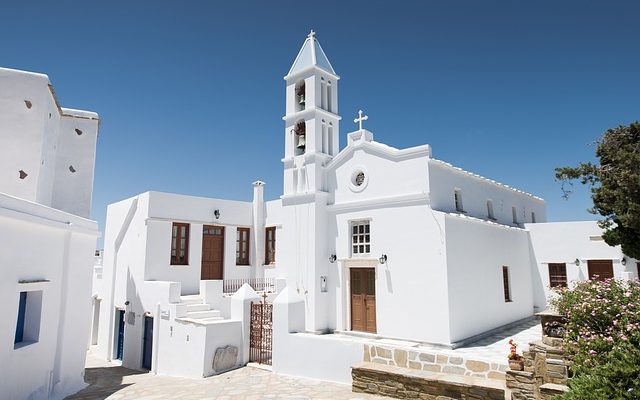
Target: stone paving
[496,347]
[108,381]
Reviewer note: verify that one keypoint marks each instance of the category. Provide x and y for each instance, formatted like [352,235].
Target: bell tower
[311,120]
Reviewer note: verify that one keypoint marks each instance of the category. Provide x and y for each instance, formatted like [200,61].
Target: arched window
[300,98]
[300,137]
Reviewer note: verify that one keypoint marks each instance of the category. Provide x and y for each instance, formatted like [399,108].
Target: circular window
[359,180]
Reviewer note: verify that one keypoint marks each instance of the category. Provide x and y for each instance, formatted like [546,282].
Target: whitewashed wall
[564,242]
[41,141]
[475,190]
[56,250]
[476,252]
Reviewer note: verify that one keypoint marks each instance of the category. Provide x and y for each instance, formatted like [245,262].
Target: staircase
[198,311]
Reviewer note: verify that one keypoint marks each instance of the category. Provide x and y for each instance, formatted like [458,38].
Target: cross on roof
[311,34]
[360,119]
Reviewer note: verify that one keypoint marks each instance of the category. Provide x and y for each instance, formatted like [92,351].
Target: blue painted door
[147,343]
[120,346]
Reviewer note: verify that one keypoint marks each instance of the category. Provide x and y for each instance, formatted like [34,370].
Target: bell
[301,142]
[302,99]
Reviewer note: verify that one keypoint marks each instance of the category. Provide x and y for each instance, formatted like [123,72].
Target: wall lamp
[332,258]
[216,213]
[577,262]
[623,261]
[383,259]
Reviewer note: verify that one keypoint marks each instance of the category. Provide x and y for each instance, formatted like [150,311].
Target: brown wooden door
[363,299]
[602,268]
[212,252]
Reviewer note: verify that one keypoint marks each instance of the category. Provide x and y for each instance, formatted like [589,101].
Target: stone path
[496,347]
[107,381]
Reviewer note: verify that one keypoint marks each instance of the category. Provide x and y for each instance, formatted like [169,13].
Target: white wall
[564,242]
[54,251]
[476,252]
[445,178]
[42,142]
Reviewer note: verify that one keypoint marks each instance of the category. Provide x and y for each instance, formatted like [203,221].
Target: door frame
[224,237]
[358,264]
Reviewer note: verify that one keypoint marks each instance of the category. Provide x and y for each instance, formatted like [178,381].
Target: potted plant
[516,361]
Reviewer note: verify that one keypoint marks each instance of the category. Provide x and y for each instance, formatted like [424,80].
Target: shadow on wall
[103,382]
[537,286]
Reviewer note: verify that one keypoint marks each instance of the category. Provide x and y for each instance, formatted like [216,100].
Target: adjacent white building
[47,156]
[367,240]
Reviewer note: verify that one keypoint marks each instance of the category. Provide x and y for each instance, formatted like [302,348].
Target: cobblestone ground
[107,381]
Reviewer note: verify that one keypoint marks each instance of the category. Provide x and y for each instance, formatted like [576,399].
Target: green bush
[602,338]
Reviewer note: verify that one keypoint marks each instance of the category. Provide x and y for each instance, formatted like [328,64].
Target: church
[366,241]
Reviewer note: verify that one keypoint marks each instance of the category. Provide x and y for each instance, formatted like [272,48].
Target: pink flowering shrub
[603,338]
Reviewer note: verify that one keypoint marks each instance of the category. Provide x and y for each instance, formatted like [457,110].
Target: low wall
[403,383]
[433,362]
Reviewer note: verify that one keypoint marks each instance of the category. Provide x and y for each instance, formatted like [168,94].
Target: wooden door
[212,252]
[363,299]
[602,268]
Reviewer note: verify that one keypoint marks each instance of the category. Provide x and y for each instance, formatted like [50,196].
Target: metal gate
[260,337]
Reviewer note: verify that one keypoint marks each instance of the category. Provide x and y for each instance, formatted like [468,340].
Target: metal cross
[360,119]
[311,34]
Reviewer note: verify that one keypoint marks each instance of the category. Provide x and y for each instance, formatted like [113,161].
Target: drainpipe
[156,336]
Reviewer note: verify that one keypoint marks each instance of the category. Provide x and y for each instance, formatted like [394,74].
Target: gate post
[241,310]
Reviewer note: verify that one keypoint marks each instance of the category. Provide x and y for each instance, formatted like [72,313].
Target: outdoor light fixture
[577,262]
[383,259]
[623,261]
[332,258]
[216,213]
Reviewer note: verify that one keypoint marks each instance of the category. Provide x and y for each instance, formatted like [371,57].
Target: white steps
[191,299]
[198,311]
[198,307]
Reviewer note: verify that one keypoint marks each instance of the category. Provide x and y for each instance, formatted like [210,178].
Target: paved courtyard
[107,381]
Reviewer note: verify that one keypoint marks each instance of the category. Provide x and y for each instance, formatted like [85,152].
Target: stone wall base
[391,381]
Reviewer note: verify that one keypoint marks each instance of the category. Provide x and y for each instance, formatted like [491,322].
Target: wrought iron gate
[260,337]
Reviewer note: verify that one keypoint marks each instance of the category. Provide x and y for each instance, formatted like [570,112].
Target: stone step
[198,307]
[203,314]
[191,299]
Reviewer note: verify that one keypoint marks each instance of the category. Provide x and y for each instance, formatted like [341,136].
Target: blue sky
[191,93]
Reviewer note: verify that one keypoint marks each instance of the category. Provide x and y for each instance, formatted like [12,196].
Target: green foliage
[603,338]
[618,378]
[615,186]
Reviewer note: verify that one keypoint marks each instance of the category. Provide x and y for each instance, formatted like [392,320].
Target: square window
[28,321]
[360,238]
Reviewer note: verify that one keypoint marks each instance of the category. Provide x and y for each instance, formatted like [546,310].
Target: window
[329,97]
[457,196]
[180,244]
[514,214]
[242,246]
[533,217]
[270,245]
[28,321]
[490,213]
[360,238]
[557,275]
[505,282]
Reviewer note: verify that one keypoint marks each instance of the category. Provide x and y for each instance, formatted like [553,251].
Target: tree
[615,186]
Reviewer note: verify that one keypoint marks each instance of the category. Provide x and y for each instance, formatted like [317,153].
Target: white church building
[47,156]
[366,241]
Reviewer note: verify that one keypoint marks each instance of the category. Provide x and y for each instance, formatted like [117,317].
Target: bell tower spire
[311,120]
